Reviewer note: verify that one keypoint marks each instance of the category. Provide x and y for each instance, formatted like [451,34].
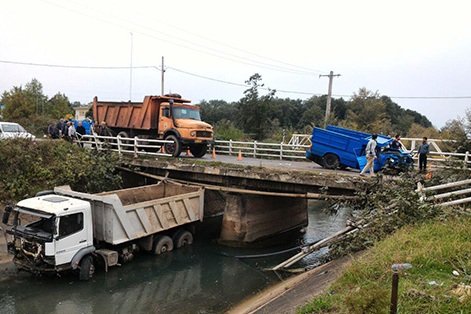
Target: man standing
[396,143]
[423,150]
[370,151]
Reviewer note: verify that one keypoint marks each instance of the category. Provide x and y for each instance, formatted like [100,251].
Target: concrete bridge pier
[248,218]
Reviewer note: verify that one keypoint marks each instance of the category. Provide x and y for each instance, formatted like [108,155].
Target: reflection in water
[202,278]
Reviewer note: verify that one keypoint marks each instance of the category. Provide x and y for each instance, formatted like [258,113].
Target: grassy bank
[435,249]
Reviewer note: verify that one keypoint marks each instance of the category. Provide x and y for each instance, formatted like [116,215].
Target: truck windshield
[33,223]
[186,113]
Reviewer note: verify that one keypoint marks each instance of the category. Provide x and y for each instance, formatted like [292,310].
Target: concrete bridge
[254,200]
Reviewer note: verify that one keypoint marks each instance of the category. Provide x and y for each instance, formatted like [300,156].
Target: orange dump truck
[168,117]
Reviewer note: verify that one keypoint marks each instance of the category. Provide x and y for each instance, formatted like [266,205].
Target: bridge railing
[282,151]
[261,150]
[124,145]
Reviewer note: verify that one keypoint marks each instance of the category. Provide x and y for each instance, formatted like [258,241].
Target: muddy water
[202,278]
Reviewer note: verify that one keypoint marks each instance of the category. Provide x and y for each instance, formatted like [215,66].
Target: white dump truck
[64,230]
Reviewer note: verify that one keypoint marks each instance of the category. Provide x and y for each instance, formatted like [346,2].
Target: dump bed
[132,115]
[129,214]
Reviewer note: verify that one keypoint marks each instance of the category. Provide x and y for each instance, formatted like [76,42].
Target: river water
[201,278]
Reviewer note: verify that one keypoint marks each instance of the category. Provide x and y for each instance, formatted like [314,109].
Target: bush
[27,167]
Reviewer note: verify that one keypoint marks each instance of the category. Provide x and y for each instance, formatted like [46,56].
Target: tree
[59,106]
[254,110]
[367,113]
[21,104]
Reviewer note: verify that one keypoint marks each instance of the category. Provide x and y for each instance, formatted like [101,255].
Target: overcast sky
[416,52]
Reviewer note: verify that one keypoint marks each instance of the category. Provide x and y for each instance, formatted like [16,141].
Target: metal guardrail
[281,151]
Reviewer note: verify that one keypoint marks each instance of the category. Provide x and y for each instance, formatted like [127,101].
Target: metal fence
[281,151]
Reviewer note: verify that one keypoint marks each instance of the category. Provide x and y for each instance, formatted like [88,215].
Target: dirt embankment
[289,295]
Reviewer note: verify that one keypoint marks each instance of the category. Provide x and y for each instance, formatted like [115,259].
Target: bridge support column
[248,218]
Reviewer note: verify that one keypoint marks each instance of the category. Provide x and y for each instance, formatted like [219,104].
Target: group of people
[372,153]
[66,130]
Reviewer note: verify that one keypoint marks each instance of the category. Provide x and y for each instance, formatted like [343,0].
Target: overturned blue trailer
[336,147]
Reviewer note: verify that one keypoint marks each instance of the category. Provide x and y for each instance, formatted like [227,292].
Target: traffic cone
[428,175]
[188,152]
[162,149]
[213,155]
[239,158]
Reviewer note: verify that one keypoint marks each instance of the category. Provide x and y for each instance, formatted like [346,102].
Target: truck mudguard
[81,253]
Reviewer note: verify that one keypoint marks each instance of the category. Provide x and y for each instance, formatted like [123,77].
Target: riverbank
[289,295]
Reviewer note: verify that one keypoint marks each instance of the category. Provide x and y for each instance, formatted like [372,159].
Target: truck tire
[182,238]
[199,150]
[330,161]
[174,148]
[87,268]
[162,244]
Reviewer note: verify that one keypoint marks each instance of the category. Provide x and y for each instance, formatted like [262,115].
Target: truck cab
[49,233]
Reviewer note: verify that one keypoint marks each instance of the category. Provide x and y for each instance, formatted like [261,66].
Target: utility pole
[130,70]
[329,95]
[162,82]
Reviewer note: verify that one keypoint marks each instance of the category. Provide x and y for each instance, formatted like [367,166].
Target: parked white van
[13,130]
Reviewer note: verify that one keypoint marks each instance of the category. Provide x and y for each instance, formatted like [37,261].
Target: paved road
[256,162]
[300,164]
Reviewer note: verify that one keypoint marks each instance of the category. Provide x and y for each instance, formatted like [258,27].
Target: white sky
[398,48]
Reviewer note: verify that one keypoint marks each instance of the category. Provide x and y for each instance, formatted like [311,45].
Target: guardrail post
[254,149]
[135,147]
[466,158]
[230,147]
[119,144]
[281,151]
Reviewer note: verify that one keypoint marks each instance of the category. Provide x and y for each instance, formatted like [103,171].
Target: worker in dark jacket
[424,150]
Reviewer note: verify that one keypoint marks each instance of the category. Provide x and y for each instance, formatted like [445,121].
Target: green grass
[434,249]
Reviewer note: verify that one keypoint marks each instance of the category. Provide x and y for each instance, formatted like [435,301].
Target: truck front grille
[203,134]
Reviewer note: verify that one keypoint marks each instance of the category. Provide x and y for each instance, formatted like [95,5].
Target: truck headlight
[192,133]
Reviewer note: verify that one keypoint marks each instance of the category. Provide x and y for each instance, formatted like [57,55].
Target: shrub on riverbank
[27,167]
[436,249]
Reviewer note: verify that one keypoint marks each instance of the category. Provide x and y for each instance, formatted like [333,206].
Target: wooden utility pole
[162,82]
[329,96]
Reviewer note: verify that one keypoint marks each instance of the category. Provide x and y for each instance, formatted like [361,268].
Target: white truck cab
[52,231]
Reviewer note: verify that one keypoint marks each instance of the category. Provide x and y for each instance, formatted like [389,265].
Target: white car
[13,130]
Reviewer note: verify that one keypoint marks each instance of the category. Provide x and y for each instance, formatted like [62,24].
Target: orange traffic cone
[162,149]
[213,155]
[239,158]
[428,175]
[188,152]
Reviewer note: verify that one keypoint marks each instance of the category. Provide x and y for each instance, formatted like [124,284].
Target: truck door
[71,237]
[165,120]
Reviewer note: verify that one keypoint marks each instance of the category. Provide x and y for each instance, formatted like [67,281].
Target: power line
[214,79]
[218,53]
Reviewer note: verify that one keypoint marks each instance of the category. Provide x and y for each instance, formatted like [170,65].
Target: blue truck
[336,147]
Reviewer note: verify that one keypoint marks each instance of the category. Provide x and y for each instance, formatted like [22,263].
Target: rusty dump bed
[129,214]
[134,115]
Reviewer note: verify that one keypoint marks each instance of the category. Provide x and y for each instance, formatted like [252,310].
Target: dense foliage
[27,167]
[29,107]
[262,117]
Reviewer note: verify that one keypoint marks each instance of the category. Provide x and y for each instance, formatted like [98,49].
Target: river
[201,278]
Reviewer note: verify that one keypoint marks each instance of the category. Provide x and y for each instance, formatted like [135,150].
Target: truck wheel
[162,244]
[182,238]
[87,268]
[330,161]
[199,150]
[174,148]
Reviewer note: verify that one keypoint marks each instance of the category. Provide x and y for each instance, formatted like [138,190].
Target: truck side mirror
[6,214]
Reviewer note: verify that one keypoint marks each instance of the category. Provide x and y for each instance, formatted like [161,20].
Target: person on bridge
[424,150]
[370,155]
[396,143]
